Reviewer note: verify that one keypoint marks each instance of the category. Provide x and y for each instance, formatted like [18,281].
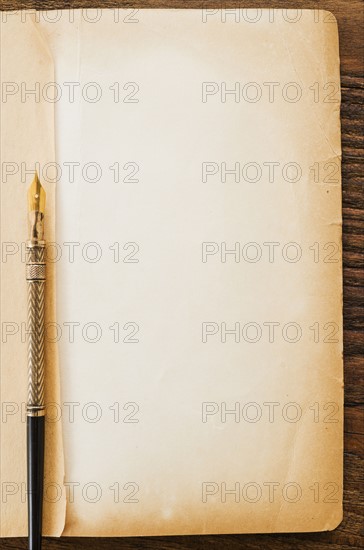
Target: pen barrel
[35,275]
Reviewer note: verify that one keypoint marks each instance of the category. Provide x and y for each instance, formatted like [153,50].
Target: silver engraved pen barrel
[35,276]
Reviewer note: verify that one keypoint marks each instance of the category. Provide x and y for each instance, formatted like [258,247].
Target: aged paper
[27,141]
[198,259]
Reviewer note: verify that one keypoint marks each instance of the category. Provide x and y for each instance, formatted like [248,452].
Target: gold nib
[36,196]
[36,206]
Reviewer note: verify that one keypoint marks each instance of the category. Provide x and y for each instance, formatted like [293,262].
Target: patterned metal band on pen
[35,274]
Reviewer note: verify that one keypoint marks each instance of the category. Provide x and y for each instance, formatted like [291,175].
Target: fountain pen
[35,276]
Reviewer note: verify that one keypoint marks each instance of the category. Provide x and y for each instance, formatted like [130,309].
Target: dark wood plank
[349,534]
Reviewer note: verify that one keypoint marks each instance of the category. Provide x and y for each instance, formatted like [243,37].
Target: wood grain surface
[349,534]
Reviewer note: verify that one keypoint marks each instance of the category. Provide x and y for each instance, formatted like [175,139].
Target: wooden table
[349,534]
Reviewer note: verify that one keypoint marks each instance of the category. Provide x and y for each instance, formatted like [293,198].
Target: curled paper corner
[335,520]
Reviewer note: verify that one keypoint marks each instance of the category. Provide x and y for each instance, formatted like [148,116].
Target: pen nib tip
[36,196]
